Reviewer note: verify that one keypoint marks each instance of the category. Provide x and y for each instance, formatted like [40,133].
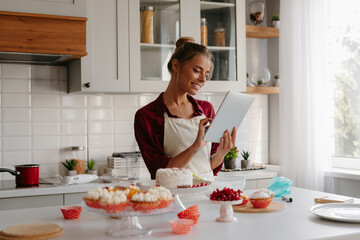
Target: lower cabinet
[252,184]
[73,198]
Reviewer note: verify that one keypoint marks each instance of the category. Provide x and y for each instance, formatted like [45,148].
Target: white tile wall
[40,121]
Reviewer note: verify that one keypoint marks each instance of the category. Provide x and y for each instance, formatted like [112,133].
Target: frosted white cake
[174,177]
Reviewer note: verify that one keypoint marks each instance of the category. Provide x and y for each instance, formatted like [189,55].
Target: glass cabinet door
[158,28]
[222,29]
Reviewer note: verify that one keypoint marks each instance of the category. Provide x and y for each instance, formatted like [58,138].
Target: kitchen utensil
[78,179]
[198,177]
[248,208]
[326,200]
[342,212]
[286,199]
[26,174]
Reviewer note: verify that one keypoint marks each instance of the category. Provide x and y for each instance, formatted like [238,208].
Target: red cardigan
[149,131]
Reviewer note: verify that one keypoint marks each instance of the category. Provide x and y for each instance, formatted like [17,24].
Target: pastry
[173,177]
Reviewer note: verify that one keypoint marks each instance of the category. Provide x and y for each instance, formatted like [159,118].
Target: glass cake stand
[129,224]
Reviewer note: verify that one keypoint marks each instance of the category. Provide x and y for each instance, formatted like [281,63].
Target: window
[344,62]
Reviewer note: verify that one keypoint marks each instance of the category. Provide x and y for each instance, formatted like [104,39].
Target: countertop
[8,188]
[295,222]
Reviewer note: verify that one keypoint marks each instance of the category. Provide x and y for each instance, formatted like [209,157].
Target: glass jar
[219,36]
[260,77]
[147,24]
[257,12]
[77,153]
[204,32]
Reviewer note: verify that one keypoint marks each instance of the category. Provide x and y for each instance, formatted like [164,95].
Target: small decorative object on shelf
[204,32]
[230,158]
[276,80]
[245,163]
[219,35]
[257,12]
[275,21]
[70,166]
[147,24]
[260,77]
[90,167]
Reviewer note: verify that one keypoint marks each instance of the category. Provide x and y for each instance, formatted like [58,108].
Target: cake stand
[129,224]
[226,210]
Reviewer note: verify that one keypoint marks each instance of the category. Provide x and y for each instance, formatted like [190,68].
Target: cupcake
[131,190]
[144,201]
[163,194]
[92,197]
[260,199]
[268,191]
[114,201]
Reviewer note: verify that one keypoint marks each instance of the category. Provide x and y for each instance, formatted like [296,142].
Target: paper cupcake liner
[92,203]
[113,208]
[245,201]
[260,203]
[144,206]
[180,226]
[165,203]
[71,212]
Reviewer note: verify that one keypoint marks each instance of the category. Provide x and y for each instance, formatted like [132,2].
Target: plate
[342,212]
[145,185]
[227,202]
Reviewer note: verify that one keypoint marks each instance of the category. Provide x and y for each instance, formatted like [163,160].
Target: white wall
[40,121]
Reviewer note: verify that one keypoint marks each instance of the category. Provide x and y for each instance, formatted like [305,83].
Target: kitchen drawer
[73,198]
[31,202]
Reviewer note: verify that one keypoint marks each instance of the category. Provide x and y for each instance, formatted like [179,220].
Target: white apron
[179,134]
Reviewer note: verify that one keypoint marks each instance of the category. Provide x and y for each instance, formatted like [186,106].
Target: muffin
[163,194]
[260,199]
[268,191]
[114,201]
[144,201]
[244,197]
[92,197]
[131,190]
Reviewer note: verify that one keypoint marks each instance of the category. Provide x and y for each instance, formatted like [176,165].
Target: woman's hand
[199,143]
[227,142]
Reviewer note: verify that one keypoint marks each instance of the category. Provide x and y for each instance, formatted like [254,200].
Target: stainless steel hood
[41,39]
[33,58]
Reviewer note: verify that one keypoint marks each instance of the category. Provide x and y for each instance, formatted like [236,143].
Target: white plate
[342,212]
[145,185]
[227,202]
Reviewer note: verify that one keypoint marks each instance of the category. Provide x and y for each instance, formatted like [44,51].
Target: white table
[295,222]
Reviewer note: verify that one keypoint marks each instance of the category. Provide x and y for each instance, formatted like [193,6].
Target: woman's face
[193,74]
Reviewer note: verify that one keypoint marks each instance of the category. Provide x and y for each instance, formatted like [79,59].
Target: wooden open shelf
[262,90]
[261,32]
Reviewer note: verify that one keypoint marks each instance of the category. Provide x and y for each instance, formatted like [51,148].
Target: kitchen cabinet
[119,62]
[76,8]
[174,18]
[31,202]
[106,67]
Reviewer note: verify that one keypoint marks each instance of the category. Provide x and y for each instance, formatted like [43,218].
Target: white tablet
[230,114]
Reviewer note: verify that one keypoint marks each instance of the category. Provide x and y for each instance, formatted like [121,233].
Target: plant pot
[92,172]
[245,164]
[230,164]
[72,173]
[275,24]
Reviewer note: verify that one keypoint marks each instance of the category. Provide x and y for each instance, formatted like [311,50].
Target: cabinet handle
[87,85]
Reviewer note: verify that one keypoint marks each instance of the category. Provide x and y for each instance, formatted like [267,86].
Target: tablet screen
[231,113]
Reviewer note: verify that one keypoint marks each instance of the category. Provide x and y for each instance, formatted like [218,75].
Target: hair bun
[182,40]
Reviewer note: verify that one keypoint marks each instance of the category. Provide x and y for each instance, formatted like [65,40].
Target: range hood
[41,39]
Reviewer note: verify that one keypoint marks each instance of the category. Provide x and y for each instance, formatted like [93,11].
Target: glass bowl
[257,12]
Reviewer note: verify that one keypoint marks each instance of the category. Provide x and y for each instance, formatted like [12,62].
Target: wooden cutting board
[248,208]
[32,231]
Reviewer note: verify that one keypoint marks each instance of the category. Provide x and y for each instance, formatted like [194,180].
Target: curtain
[304,97]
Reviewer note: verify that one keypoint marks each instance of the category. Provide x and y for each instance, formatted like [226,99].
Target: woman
[170,130]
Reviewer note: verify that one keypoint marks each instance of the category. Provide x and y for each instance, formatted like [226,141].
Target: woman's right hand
[199,143]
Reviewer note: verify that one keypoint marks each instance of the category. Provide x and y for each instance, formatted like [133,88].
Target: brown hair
[187,49]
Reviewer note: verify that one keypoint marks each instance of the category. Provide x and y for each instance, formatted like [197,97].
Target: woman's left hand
[227,142]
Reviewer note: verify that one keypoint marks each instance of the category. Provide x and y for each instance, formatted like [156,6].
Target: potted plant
[70,166]
[275,21]
[230,158]
[245,163]
[276,80]
[90,167]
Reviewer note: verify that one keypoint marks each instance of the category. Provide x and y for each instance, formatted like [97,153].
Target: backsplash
[40,121]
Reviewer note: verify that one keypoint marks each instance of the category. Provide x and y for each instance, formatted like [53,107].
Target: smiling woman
[170,130]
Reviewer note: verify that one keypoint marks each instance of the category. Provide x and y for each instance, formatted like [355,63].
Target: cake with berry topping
[174,177]
[260,199]
[163,194]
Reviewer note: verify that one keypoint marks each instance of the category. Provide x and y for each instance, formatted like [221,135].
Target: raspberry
[227,194]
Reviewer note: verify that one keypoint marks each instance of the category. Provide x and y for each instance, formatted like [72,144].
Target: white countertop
[295,222]
[8,188]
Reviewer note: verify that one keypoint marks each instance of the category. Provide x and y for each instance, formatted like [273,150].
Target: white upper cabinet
[106,67]
[75,8]
[166,21]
